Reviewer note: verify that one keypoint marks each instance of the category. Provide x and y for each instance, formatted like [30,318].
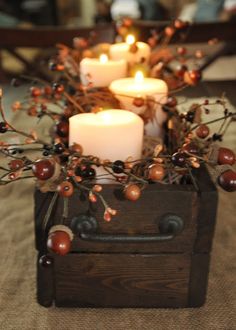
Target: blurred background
[87,12]
[15,58]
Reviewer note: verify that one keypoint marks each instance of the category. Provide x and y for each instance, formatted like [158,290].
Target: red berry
[47,90]
[180,71]
[80,43]
[226,156]
[133,48]
[227,180]
[66,189]
[192,77]
[59,242]
[107,216]
[58,88]
[43,169]
[171,102]
[178,24]
[127,22]
[16,164]
[181,50]
[122,31]
[60,67]
[169,31]
[202,131]
[62,128]
[132,192]
[152,41]
[35,91]
[199,54]
[138,102]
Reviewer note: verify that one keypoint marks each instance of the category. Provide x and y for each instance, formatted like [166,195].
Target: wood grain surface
[102,280]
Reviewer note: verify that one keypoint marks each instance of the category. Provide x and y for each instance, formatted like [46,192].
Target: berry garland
[62,169]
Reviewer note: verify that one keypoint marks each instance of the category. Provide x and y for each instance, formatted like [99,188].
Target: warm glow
[106,117]
[139,77]
[103,58]
[130,39]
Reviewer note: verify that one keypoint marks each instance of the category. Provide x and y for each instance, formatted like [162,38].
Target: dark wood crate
[140,273]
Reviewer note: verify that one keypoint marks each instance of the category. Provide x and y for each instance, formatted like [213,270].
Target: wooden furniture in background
[224,32]
[41,38]
[11,39]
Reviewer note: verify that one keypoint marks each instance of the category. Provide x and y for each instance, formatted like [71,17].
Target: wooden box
[155,253]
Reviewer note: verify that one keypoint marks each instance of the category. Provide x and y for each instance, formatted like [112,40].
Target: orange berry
[156,172]
[132,192]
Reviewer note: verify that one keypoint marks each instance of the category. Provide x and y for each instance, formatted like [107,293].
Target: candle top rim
[138,43]
[129,85]
[95,60]
[108,118]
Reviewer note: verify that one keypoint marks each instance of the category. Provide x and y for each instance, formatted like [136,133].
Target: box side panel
[101,280]
[198,279]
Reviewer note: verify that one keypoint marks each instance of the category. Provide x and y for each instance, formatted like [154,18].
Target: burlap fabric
[18,307]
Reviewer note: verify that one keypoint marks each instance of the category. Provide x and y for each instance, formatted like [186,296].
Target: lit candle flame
[103,58]
[138,77]
[130,39]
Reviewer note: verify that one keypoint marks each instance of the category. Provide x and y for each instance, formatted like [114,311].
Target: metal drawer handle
[86,227]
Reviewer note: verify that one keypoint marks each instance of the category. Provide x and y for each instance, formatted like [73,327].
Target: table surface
[18,307]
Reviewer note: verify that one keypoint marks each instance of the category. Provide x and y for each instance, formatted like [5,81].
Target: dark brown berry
[202,131]
[59,148]
[85,172]
[227,180]
[43,169]
[3,127]
[191,148]
[226,156]
[118,166]
[46,261]
[179,159]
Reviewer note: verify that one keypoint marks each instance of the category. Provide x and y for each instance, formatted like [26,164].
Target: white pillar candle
[127,89]
[111,134]
[101,72]
[122,51]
